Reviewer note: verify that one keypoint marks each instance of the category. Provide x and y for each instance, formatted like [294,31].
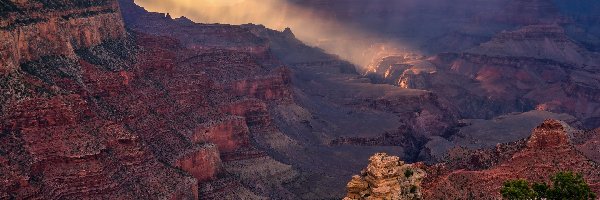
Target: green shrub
[408,173]
[540,189]
[413,189]
[517,190]
[565,185]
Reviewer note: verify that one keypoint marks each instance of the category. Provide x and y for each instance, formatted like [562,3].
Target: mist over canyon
[292,99]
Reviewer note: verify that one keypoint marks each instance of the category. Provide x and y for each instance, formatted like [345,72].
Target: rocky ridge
[548,150]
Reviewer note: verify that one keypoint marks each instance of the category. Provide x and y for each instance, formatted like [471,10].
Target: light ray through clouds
[351,43]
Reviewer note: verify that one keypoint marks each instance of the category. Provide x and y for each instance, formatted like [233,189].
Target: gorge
[104,99]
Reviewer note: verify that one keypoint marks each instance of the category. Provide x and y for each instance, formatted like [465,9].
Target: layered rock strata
[32,29]
[386,177]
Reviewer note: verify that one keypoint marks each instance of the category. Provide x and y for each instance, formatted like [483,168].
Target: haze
[350,42]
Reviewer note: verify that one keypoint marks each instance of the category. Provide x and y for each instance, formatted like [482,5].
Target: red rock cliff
[32,29]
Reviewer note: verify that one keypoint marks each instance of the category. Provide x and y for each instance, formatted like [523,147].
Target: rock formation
[33,29]
[548,150]
[481,134]
[484,86]
[93,111]
[386,177]
[480,173]
[171,109]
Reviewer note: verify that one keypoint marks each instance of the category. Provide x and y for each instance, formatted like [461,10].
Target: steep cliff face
[254,110]
[56,143]
[203,163]
[33,29]
[94,112]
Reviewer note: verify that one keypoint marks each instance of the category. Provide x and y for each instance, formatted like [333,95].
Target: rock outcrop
[229,133]
[480,174]
[202,163]
[548,150]
[254,110]
[386,177]
[273,87]
[550,134]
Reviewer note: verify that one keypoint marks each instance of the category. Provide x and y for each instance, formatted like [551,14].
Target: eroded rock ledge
[386,177]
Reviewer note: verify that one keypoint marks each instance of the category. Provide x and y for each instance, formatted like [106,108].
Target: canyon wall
[512,72]
[93,111]
[33,29]
[175,109]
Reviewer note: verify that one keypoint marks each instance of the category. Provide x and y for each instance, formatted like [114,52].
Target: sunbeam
[349,42]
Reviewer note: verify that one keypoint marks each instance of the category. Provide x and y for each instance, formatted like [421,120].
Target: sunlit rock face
[386,177]
[509,73]
[551,133]
[32,29]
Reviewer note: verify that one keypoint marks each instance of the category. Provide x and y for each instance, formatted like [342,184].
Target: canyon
[479,174]
[104,99]
[206,111]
